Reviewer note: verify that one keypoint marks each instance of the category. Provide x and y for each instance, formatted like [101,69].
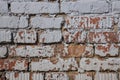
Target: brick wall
[59,39]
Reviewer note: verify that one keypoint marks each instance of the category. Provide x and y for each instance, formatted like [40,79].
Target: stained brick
[56,76]
[102,37]
[31,51]
[5,36]
[34,7]
[106,50]
[49,36]
[84,6]
[80,51]
[88,64]
[54,64]
[106,76]
[90,22]
[25,36]
[3,51]
[74,35]
[13,64]
[44,23]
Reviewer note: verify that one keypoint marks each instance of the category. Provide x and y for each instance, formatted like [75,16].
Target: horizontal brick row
[61,64]
[52,36]
[62,50]
[32,7]
[79,22]
[60,76]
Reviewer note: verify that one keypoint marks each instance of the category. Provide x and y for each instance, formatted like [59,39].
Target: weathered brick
[56,76]
[17,76]
[13,22]
[13,64]
[102,37]
[5,36]
[116,6]
[88,64]
[90,22]
[44,23]
[106,50]
[50,36]
[34,7]
[31,51]
[37,76]
[3,51]
[25,36]
[80,51]
[3,7]
[54,64]
[80,76]
[74,35]
[105,76]
[84,7]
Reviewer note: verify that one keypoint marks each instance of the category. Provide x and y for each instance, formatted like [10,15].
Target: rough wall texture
[59,39]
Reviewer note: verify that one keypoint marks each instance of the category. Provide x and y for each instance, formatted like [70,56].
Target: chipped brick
[25,36]
[31,51]
[106,50]
[13,64]
[90,22]
[102,37]
[17,76]
[50,36]
[56,76]
[74,35]
[88,64]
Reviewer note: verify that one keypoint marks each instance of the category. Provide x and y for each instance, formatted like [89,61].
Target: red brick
[102,37]
[74,35]
[89,22]
[80,50]
[25,36]
[13,64]
[106,50]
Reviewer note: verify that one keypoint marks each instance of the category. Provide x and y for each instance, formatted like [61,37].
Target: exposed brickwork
[59,40]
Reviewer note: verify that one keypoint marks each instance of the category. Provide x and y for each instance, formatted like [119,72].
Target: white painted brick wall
[44,23]
[116,7]
[34,7]
[84,7]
